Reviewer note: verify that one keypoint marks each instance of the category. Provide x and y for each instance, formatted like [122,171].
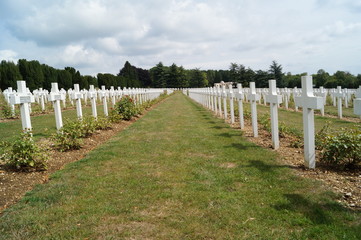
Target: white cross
[274,100]
[103,96]
[231,101]
[308,102]
[219,93]
[41,93]
[112,95]
[224,94]
[240,97]
[92,96]
[339,94]
[7,94]
[24,98]
[357,102]
[322,93]
[63,92]
[77,96]
[253,97]
[55,96]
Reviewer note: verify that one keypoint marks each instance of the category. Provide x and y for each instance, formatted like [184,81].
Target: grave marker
[103,96]
[274,100]
[240,97]
[357,102]
[92,96]
[339,95]
[253,97]
[231,101]
[24,98]
[224,94]
[308,102]
[55,96]
[77,96]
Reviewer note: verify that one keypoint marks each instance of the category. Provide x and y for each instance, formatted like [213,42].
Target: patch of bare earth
[346,182]
[13,185]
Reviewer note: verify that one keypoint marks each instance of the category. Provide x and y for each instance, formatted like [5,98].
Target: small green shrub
[265,122]
[6,111]
[126,108]
[68,138]
[102,123]
[66,141]
[114,116]
[24,154]
[342,148]
[247,114]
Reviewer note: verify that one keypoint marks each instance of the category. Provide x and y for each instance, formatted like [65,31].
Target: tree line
[39,75]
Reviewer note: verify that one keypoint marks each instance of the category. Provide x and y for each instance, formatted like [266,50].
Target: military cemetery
[225,120]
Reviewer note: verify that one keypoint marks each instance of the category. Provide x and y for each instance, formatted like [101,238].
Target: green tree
[157,75]
[197,78]
[275,71]
[345,79]
[9,74]
[32,73]
[320,78]
[64,79]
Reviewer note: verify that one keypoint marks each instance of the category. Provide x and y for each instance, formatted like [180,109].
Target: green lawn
[179,173]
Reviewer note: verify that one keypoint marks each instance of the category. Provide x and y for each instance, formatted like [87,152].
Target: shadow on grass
[241,146]
[230,135]
[270,169]
[317,213]
[219,127]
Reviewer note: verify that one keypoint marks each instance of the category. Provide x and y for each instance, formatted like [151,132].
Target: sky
[98,36]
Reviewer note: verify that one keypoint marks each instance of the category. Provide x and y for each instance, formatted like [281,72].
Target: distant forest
[39,75]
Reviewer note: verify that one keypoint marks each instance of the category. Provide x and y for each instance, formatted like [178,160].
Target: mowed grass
[43,125]
[179,173]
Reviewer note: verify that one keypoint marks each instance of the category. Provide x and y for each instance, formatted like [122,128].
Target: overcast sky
[100,35]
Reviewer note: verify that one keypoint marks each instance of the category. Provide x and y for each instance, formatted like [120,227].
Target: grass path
[179,173]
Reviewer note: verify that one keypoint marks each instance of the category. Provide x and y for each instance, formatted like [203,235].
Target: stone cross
[70,96]
[92,96]
[41,95]
[63,92]
[357,102]
[224,94]
[295,94]
[274,100]
[215,107]
[24,98]
[240,97]
[253,97]
[219,93]
[77,96]
[231,101]
[103,96]
[7,98]
[287,95]
[339,95]
[112,95]
[308,102]
[55,96]
[322,93]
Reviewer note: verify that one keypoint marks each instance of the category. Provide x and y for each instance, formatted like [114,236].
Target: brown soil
[346,182]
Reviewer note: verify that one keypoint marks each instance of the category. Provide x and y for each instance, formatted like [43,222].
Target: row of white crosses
[24,98]
[210,97]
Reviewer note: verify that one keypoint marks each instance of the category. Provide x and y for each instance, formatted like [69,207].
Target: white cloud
[8,55]
[100,35]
